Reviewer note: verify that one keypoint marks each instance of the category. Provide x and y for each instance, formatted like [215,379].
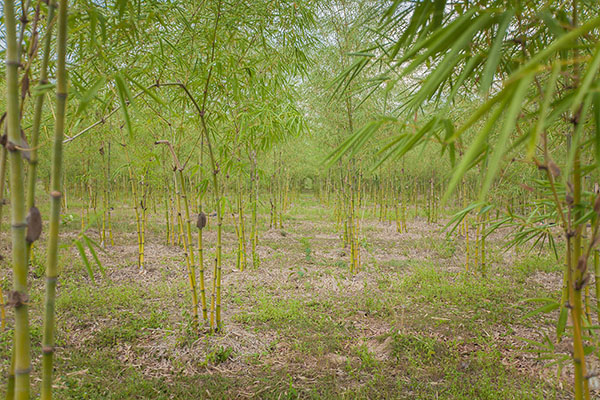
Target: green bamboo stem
[10,393]
[167,224]
[254,194]
[19,296]
[215,320]
[55,194]
[37,113]
[137,216]
[103,234]
[144,208]
[3,165]
[581,383]
[242,229]
[109,203]
[188,242]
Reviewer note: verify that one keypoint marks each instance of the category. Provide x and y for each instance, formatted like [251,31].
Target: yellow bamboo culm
[143,230]
[240,230]
[186,246]
[82,218]
[167,223]
[110,232]
[174,226]
[137,217]
[201,271]
[181,194]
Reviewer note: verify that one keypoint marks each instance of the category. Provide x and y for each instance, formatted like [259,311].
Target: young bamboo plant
[187,236]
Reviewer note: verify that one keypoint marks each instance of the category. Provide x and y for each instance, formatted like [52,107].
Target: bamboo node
[582,283]
[48,349]
[23,371]
[17,299]
[10,146]
[55,194]
[582,264]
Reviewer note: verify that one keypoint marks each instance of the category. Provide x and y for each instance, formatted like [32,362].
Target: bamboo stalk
[581,383]
[55,194]
[201,272]
[37,114]
[138,221]
[19,296]
[181,194]
[3,165]
[242,232]
[254,194]
[109,203]
[168,226]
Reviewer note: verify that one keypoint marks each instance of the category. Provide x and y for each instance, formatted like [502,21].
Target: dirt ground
[413,323]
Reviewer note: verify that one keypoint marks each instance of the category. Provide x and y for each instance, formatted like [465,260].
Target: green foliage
[305,241]
[219,355]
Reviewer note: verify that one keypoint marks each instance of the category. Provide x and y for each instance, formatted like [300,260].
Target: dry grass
[300,325]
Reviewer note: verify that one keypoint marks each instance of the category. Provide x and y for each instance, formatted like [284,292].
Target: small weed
[367,359]
[38,265]
[307,249]
[219,356]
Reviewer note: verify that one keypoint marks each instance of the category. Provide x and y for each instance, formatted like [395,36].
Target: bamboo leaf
[508,125]
[473,152]
[355,141]
[85,260]
[588,78]
[493,58]
[409,143]
[87,97]
[122,92]
[596,105]
[90,245]
[550,306]
[562,322]
[541,122]
[553,25]
[576,137]
[438,41]
[145,90]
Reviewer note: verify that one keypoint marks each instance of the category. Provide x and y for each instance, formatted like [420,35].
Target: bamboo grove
[187,122]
